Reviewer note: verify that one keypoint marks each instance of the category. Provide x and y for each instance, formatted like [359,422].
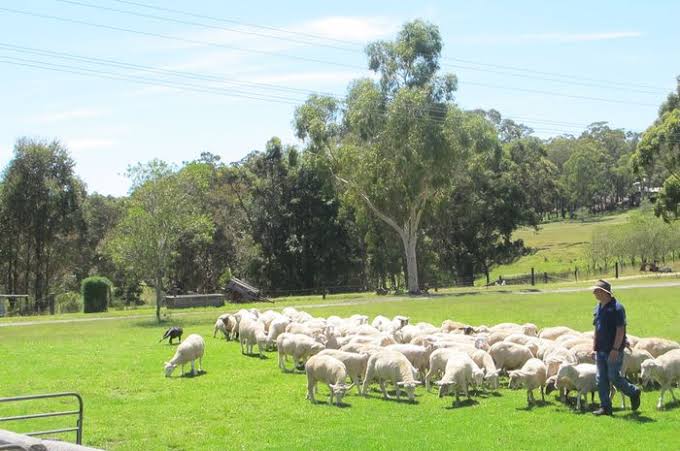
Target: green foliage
[225,278]
[96,292]
[69,302]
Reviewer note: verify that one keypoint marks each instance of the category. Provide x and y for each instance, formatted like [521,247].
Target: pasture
[247,403]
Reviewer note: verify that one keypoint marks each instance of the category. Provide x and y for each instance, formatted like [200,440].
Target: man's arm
[618,341]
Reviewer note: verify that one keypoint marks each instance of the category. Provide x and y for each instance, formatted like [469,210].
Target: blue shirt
[606,319]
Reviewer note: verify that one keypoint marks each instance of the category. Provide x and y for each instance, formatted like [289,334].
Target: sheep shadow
[537,404]
[190,375]
[462,404]
[256,356]
[342,405]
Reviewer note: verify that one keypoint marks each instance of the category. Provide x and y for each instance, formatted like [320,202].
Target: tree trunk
[159,297]
[410,241]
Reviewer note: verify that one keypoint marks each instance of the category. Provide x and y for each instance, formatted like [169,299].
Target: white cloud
[88,144]
[351,28]
[78,113]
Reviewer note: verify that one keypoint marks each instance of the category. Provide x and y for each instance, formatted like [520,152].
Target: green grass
[247,403]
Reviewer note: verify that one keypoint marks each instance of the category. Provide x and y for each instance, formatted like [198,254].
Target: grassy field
[247,403]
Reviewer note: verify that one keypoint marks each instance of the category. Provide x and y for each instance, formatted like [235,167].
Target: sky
[120,81]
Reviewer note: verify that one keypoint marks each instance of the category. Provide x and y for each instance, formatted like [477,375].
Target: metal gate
[78,429]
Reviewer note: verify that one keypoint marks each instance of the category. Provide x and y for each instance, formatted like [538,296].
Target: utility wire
[609,84]
[270,53]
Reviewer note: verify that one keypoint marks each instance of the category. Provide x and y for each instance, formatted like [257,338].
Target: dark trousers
[610,373]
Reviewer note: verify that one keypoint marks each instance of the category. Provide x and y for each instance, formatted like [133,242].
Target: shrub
[96,292]
[69,302]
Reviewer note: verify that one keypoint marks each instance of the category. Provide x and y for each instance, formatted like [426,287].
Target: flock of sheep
[458,358]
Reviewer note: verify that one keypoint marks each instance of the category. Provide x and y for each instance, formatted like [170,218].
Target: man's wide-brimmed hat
[602,285]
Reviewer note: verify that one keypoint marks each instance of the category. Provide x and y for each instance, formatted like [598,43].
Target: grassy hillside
[558,246]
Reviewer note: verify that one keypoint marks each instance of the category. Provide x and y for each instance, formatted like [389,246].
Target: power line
[192,41]
[608,84]
[203,25]
[211,78]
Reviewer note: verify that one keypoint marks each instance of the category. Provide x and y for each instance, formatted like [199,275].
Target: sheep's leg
[330,398]
[542,393]
[457,399]
[670,389]
[182,369]
[428,378]
[396,387]
[311,386]
[659,405]
[382,388]
[200,364]
[578,401]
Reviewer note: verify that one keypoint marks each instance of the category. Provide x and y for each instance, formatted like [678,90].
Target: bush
[96,292]
[69,302]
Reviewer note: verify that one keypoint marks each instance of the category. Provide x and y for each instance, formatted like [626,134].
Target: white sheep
[299,346]
[460,372]
[526,328]
[532,375]
[484,360]
[329,370]
[509,356]
[221,326]
[251,333]
[276,328]
[530,342]
[191,349]
[582,377]
[656,346]
[355,363]
[556,356]
[419,356]
[665,370]
[553,333]
[394,367]
[632,362]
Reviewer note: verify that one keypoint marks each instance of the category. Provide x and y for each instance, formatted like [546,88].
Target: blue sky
[108,124]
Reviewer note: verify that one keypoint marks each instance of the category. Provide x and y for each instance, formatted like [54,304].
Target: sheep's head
[316,348]
[168,368]
[491,379]
[516,379]
[649,370]
[339,390]
[478,377]
[410,388]
[550,385]
[530,329]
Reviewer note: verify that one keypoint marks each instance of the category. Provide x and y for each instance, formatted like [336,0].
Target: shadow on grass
[342,405]
[462,404]
[636,417]
[256,356]
[191,376]
[537,404]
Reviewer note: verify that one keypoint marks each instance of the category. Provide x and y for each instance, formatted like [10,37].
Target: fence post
[545,277]
[617,269]
[533,279]
[576,273]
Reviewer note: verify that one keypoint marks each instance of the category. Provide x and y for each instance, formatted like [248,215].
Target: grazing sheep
[500,335]
[428,328]
[276,328]
[189,350]
[250,333]
[553,333]
[299,346]
[394,367]
[582,377]
[230,326]
[329,370]
[419,356]
[219,325]
[632,362]
[449,326]
[355,363]
[361,348]
[556,357]
[460,372]
[408,333]
[583,352]
[268,317]
[532,375]
[656,346]
[530,342]
[484,360]
[665,370]
[172,333]
[438,360]
[509,356]
[529,329]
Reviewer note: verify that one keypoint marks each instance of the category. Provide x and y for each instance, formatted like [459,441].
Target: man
[608,344]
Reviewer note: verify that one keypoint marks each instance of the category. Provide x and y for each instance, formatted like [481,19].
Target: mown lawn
[247,403]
